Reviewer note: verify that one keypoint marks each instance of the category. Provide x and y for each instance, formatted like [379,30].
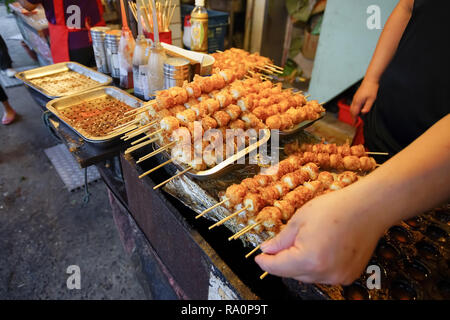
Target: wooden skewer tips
[175,176]
[228,218]
[211,208]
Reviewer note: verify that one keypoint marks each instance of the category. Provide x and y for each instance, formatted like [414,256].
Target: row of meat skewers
[228,108]
[266,202]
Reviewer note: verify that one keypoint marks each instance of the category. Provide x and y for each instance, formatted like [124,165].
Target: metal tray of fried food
[227,164]
[56,106]
[85,78]
[302,125]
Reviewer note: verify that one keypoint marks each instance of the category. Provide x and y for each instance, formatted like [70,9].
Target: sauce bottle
[126,49]
[140,60]
[199,27]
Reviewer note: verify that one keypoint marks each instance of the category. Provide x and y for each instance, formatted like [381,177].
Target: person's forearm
[413,181]
[27,5]
[388,42]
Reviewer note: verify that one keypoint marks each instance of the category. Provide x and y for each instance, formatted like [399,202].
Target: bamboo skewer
[134,121]
[211,208]
[136,147]
[255,249]
[378,153]
[167,146]
[275,66]
[139,140]
[175,176]
[145,106]
[228,218]
[138,132]
[243,231]
[124,129]
[155,168]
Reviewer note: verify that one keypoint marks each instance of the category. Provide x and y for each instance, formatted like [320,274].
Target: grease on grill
[427,250]
[402,290]
[356,291]
[400,234]
[96,117]
[387,251]
[416,270]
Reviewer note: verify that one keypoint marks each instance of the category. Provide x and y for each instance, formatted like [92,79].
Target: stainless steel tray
[28,75]
[300,126]
[56,105]
[225,165]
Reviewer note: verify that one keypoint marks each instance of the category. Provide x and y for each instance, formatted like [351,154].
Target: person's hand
[329,240]
[364,98]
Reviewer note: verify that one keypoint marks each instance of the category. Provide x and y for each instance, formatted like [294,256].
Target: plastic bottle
[140,60]
[126,49]
[187,32]
[155,69]
[199,27]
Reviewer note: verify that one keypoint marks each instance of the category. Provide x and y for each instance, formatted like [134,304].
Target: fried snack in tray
[96,117]
[60,83]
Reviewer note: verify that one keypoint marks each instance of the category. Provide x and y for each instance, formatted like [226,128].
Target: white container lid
[200,3]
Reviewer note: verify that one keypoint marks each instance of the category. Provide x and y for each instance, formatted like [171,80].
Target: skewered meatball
[237,124]
[282,188]
[169,124]
[315,186]
[245,103]
[224,98]
[358,150]
[337,185]
[326,178]
[236,193]
[286,209]
[263,180]
[200,109]
[293,179]
[273,122]
[250,184]
[254,202]
[347,177]
[208,123]
[233,111]
[367,163]
[344,150]
[193,90]
[336,161]
[212,105]
[191,102]
[270,217]
[177,108]
[286,122]
[311,169]
[186,116]
[351,163]
[222,118]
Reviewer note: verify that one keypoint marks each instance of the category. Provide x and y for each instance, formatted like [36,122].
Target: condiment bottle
[155,69]
[126,49]
[140,60]
[199,27]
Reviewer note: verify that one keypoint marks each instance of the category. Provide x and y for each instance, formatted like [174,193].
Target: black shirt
[414,90]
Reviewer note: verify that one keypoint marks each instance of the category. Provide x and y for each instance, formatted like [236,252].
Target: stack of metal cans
[176,71]
[98,44]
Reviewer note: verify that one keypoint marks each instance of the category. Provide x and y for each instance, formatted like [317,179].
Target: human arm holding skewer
[351,221]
